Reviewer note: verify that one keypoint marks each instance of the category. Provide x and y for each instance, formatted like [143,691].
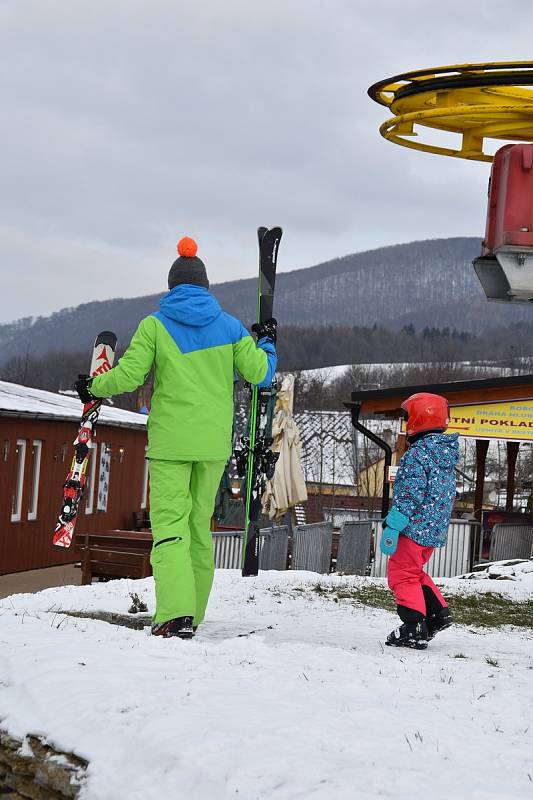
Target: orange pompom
[187,247]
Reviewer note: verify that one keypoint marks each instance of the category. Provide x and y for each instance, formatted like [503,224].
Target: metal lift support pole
[355,409]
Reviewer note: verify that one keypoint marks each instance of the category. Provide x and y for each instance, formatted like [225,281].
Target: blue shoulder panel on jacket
[188,338]
[272,358]
[236,328]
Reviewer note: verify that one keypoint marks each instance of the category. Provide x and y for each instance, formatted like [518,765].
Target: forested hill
[428,283]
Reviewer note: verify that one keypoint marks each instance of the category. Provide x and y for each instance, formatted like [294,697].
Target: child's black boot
[438,621]
[438,617]
[410,634]
[413,633]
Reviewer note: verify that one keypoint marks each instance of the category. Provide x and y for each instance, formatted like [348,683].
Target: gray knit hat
[187,268]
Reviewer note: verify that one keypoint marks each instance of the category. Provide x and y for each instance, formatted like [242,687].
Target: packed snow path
[284,693]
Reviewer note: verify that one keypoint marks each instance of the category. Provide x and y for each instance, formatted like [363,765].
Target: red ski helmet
[426,412]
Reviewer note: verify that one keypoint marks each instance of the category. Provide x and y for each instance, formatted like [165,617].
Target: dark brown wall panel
[28,544]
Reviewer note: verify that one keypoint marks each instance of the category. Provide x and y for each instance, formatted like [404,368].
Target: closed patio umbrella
[287,487]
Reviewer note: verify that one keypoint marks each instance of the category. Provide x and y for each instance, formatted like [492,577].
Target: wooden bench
[114,554]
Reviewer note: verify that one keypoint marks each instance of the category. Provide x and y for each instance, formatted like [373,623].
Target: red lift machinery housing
[505,267]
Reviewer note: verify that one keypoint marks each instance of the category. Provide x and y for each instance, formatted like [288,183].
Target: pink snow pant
[406,576]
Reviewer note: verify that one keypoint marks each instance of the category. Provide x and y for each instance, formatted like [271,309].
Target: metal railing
[227,547]
[273,548]
[455,558]
[511,541]
[311,547]
[354,552]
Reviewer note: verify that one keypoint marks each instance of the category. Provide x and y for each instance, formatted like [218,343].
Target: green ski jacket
[195,347]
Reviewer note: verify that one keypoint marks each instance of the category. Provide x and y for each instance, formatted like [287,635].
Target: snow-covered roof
[327,447]
[23,401]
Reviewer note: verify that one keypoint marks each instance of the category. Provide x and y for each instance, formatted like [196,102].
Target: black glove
[82,386]
[266,330]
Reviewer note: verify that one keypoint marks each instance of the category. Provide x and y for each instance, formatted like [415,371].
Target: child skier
[424,494]
[194,347]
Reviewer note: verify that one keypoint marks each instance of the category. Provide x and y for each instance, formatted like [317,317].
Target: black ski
[256,459]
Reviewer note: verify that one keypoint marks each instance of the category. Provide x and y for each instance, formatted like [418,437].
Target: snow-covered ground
[510,570]
[284,693]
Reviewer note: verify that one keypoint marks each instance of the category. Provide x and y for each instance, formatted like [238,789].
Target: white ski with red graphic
[105,346]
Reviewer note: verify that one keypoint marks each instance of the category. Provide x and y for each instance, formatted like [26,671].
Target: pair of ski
[257,458]
[103,356]
[256,461]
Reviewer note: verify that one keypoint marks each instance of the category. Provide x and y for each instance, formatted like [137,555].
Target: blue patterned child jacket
[424,488]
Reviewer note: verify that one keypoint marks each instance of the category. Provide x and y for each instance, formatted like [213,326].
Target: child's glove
[393,524]
[389,540]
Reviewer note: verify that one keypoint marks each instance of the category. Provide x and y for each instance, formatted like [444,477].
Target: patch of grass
[369,595]
[459,655]
[487,610]
[493,662]
[491,610]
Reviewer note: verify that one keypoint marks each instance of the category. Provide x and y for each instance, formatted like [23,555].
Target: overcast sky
[129,123]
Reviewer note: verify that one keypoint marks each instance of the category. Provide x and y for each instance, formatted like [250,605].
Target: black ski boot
[410,634]
[438,621]
[180,627]
[438,617]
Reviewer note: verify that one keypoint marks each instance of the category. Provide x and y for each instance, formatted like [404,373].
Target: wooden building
[37,429]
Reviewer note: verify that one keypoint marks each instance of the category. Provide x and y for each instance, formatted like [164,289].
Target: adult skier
[194,347]
[424,494]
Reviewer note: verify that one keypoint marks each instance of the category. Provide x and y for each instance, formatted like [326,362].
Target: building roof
[23,401]
[327,447]
[381,401]
[331,448]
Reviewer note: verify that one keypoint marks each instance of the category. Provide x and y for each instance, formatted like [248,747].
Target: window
[36,450]
[144,496]
[89,484]
[103,477]
[16,502]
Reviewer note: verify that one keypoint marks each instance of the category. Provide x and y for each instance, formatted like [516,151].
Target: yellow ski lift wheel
[475,101]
